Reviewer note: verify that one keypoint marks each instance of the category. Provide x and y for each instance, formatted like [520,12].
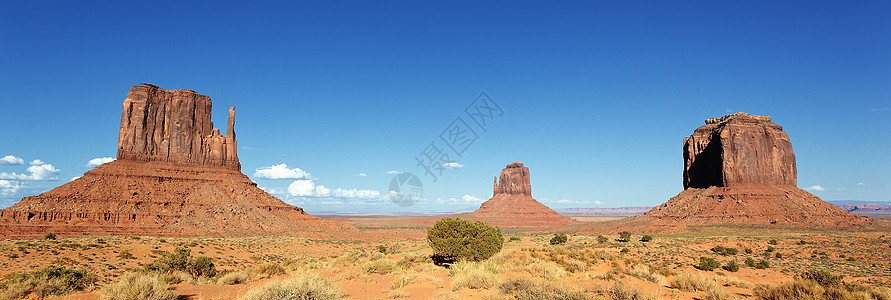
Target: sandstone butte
[175,175]
[512,203]
[739,169]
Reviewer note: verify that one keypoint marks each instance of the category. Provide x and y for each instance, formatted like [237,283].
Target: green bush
[514,239]
[731,266]
[708,264]
[762,264]
[455,239]
[646,238]
[748,251]
[624,236]
[770,249]
[181,260]
[724,250]
[773,242]
[49,281]
[750,262]
[559,239]
[779,255]
[602,239]
[49,236]
[822,277]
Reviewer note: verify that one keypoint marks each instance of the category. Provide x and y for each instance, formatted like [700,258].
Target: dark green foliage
[750,262]
[455,239]
[731,266]
[762,264]
[802,242]
[181,260]
[49,281]
[559,239]
[822,277]
[779,255]
[748,251]
[602,239]
[382,248]
[514,239]
[624,236]
[624,250]
[126,255]
[49,236]
[724,250]
[646,238]
[773,242]
[708,264]
[770,249]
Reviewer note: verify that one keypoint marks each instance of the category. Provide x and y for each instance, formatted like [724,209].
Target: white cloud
[598,202]
[36,162]
[861,184]
[9,187]
[281,171]
[74,178]
[11,160]
[99,161]
[815,188]
[361,174]
[301,188]
[394,172]
[356,193]
[35,172]
[452,165]
[470,198]
[321,191]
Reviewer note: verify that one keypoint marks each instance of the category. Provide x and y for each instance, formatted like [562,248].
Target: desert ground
[395,263]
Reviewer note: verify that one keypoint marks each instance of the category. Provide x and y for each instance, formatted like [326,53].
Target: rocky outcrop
[514,180]
[174,126]
[175,176]
[738,149]
[512,203]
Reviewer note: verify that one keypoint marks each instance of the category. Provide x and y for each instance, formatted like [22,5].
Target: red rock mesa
[512,203]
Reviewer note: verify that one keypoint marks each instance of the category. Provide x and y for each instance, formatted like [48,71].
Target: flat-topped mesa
[514,180]
[174,126]
[739,148]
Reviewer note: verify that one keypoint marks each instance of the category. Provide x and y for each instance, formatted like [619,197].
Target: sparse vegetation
[731,266]
[624,236]
[724,250]
[49,236]
[559,239]
[181,260]
[236,277]
[138,286]
[822,277]
[381,266]
[708,263]
[602,239]
[646,238]
[473,275]
[302,286]
[49,281]
[693,282]
[455,239]
[525,289]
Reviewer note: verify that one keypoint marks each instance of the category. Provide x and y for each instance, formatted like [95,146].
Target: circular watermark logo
[405,189]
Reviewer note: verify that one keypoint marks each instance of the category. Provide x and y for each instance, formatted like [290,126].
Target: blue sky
[596,97]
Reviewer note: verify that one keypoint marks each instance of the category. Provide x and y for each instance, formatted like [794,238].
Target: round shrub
[559,239]
[455,239]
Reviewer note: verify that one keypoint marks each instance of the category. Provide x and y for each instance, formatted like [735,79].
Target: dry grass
[545,269]
[693,282]
[525,289]
[138,286]
[733,281]
[302,286]
[236,277]
[266,270]
[809,289]
[473,275]
[381,266]
[643,272]
[408,278]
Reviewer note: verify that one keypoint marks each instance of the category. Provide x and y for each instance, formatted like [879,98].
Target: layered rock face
[738,149]
[174,126]
[512,203]
[740,169]
[175,176]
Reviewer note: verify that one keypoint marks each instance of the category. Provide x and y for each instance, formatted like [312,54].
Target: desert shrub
[692,282]
[619,292]
[731,266]
[724,250]
[602,239]
[382,266]
[49,281]
[624,236]
[559,239]
[770,249]
[49,236]
[646,238]
[456,239]
[302,286]
[236,277]
[514,239]
[525,289]
[409,261]
[181,260]
[733,281]
[778,255]
[708,263]
[137,286]
[717,293]
[624,251]
[791,290]
[545,269]
[750,262]
[762,264]
[748,251]
[822,277]
[266,269]
[643,272]
[126,255]
[773,242]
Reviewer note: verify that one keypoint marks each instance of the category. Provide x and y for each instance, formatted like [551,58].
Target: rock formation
[512,203]
[740,169]
[174,126]
[175,176]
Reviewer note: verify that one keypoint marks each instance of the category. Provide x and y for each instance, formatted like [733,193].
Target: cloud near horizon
[307,188]
[452,165]
[11,160]
[281,171]
[815,188]
[391,172]
[38,170]
[99,161]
